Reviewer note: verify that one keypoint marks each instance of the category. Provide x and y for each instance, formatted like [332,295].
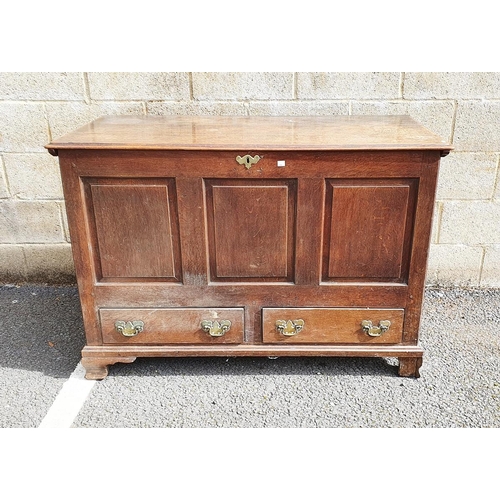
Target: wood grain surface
[134,229]
[251,227]
[368,227]
[172,326]
[331,226]
[332,325]
[251,132]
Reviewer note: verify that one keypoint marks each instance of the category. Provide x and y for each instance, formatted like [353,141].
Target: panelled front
[250,229]
[236,237]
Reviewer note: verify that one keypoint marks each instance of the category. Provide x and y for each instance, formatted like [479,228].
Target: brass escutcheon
[289,328]
[247,160]
[375,331]
[216,328]
[129,328]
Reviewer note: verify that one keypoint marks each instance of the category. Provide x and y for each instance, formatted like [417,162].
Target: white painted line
[69,401]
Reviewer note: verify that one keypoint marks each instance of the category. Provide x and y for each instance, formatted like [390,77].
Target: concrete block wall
[463,108]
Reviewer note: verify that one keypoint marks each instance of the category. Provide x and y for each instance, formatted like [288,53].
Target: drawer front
[332,326]
[172,326]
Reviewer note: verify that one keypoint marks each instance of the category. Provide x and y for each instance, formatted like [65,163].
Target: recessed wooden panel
[136,229]
[251,229]
[332,325]
[368,230]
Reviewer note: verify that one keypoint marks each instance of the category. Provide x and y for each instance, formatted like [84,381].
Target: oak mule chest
[250,236]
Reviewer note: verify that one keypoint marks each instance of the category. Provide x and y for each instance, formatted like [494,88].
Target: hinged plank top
[252,133]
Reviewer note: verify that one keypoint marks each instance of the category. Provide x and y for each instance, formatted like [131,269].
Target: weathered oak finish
[332,325]
[254,134]
[136,229]
[96,367]
[264,248]
[368,230]
[330,227]
[172,326]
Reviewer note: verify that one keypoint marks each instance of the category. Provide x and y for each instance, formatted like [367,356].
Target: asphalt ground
[42,335]
[288,401]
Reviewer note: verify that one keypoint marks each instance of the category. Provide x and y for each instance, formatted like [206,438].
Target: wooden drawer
[172,326]
[331,325]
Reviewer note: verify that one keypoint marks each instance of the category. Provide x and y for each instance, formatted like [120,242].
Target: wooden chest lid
[322,133]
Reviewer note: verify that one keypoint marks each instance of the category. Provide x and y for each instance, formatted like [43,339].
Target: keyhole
[248,159]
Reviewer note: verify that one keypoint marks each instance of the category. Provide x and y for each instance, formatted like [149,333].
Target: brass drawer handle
[247,160]
[289,328]
[375,331]
[129,328]
[216,328]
